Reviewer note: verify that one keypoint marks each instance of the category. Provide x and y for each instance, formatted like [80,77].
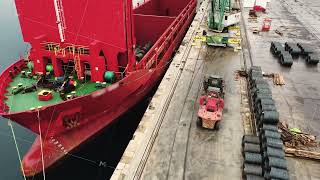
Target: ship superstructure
[89,63]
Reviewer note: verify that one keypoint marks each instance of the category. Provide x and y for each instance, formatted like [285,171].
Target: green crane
[217,13]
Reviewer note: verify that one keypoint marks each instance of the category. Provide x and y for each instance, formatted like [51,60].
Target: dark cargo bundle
[250,139]
[271,117]
[270,134]
[252,169]
[253,158]
[269,127]
[273,152]
[249,147]
[276,162]
[276,173]
[272,142]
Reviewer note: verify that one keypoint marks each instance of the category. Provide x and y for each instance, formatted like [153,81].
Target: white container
[232,19]
[262,3]
[248,3]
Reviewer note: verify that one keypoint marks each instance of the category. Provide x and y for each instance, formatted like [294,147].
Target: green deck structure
[22,102]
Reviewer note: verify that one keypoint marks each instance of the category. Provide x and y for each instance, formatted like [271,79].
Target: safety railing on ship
[152,58]
[5,79]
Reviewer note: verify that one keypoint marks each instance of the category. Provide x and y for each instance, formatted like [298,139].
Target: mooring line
[17,148]
[41,147]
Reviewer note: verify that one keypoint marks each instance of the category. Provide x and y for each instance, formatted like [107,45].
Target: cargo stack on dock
[271,155]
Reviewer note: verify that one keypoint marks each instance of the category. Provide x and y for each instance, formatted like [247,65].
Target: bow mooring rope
[16,144]
[17,148]
[41,147]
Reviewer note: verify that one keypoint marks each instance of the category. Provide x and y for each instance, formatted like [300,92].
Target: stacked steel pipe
[271,156]
[286,53]
[310,56]
[279,51]
[253,162]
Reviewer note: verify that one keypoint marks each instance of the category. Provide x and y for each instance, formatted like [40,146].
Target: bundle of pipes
[252,166]
[278,50]
[270,158]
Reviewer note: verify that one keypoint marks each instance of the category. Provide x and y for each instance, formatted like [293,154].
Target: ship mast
[60,19]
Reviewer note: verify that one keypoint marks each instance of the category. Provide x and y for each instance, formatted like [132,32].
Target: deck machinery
[221,15]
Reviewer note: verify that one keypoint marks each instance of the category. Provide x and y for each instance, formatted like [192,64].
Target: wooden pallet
[278,80]
[303,153]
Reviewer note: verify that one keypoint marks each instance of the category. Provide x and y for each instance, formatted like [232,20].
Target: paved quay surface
[176,148]
[298,100]
[169,145]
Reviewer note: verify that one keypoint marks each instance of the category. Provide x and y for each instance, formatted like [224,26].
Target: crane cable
[41,147]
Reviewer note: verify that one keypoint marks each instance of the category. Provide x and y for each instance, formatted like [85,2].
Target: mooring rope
[17,148]
[15,142]
[41,147]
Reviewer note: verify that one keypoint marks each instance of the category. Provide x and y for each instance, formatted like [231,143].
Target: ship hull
[98,110]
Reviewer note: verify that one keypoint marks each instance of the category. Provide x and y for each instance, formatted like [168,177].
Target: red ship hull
[100,108]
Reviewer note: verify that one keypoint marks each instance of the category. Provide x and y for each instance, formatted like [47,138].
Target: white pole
[59,19]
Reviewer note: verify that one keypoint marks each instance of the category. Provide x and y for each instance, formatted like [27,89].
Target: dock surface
[298,100]
[169,145]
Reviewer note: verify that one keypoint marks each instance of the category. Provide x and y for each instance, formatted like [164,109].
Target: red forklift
[211,103]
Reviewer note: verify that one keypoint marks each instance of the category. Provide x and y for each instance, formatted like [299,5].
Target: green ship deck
[22,102]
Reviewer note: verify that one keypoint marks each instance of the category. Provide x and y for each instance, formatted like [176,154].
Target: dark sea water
[82,164]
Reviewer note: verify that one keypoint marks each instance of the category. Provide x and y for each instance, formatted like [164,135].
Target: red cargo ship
[90,61]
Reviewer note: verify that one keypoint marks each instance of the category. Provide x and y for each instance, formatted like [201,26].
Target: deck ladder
[78,65]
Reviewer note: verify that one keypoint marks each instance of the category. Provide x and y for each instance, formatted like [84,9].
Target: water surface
[11,47]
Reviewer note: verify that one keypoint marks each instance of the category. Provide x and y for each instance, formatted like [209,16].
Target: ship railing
[155,54]
[121,74]
[5,79]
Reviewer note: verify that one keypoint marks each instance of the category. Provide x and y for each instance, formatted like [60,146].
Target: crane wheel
[199,122]
[217,125]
